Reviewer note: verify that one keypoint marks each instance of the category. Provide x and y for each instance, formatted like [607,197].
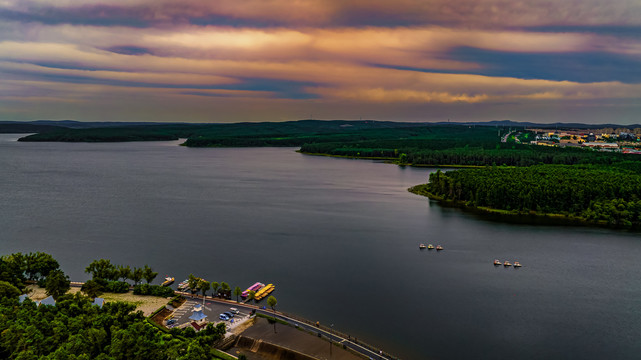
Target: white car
[234,311]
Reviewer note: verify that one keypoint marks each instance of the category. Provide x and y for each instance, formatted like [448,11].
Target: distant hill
[510,123]
[26,128]
[72,124]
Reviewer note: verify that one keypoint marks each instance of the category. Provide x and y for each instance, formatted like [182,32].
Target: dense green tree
[7,290]
[148,274]
[38,265]
[137,275]
[271,301]
[74,329]
[124,272]
[214,287]
[204,286]
[192,282]
[92,288]
[102,269]
[237,293]
[57,284]
[251,295]
[606,195]
[13,268]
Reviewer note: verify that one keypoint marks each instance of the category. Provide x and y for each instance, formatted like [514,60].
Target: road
[372,354]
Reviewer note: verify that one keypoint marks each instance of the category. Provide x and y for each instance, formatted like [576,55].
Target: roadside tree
[271,301]
[204,287]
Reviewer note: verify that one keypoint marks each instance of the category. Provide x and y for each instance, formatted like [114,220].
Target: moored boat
[257,286]
[183,285]
[430,247]
[507,263]
[439,247]
[517,264]
[497,262]
[168,281]
[422,246]
[262,293]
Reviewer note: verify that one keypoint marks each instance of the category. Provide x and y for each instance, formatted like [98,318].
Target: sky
[277,60]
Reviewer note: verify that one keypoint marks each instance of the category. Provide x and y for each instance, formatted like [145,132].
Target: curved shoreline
[389,160]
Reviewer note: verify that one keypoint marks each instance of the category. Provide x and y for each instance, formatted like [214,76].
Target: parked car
[229,315]
[223,317]
[171,321]
[234,311]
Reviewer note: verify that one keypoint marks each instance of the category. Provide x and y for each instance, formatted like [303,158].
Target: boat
[517,264]
[422,246]
[430,247]
[257,286]
[183,285]
[168,281]
[439,247]
[262,293]
[507,263]
[496,262]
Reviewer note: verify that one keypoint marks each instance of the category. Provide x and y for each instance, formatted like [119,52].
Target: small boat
[439,247]
[430,247]
[496,262]
[517,264]
[507,263]
[168,281]
[422,246]
[183,285]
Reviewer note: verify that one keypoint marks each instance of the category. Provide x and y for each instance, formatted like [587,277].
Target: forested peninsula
[592,194]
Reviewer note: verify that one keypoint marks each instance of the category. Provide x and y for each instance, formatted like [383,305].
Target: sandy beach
[146,304]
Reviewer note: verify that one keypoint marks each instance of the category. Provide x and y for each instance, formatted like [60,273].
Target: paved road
[304,325]
[504,138]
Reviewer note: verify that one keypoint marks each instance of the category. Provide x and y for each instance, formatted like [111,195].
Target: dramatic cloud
[257,60]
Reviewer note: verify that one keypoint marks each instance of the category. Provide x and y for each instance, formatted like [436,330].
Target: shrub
[117,287]
[154,290]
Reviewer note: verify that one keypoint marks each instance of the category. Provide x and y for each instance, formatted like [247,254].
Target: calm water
[340,240]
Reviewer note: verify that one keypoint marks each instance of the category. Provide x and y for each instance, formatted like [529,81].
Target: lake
[339,239]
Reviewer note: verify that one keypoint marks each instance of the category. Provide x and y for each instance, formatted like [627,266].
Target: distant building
[197,326]
[591,137]
[602,145]
[48,301]
[99,301]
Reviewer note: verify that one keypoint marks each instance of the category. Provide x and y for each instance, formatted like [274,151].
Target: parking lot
[212,310]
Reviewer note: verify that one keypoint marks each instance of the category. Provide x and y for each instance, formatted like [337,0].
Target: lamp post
[330,340]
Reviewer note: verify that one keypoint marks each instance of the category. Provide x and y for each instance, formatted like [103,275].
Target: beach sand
[146,304]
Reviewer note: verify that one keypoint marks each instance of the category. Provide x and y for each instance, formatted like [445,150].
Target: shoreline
[515,216]
[388,160]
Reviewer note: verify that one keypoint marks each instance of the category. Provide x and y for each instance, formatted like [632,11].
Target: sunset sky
[275,60]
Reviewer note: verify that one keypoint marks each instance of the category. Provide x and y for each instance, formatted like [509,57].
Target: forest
[75,328]
[609,195]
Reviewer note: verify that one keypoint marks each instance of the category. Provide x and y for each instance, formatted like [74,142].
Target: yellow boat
[264,292]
